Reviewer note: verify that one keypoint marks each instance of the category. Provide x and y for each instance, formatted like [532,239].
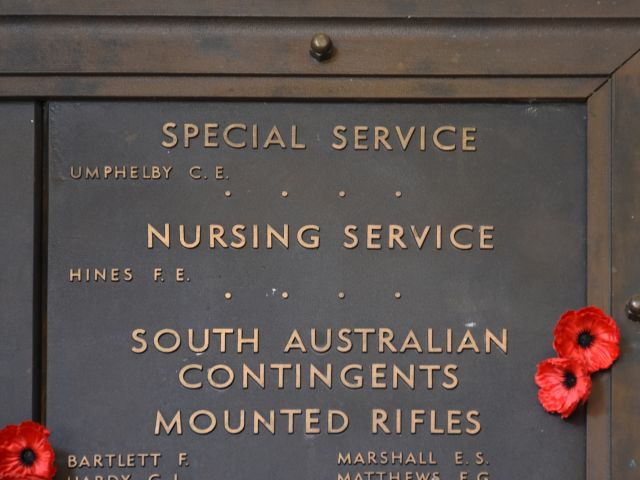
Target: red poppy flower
[588,335]
[25,453]
[564,383]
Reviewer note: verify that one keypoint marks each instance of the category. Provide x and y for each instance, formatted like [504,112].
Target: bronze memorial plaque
[322,240]
[320,290]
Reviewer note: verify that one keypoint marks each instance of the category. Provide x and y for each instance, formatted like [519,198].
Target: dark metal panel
[529,176]
[599,272]
[381,88]
[52,45]
[17,250]
[331,8]
[626,270]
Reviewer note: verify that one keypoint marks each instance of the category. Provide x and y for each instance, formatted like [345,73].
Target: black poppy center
[570,380]
[27,457]
[585,339]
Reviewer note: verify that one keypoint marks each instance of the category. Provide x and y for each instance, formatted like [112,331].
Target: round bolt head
[633,308]
[321,47]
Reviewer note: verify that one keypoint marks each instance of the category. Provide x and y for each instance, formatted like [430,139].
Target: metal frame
[331,8]
[474,52]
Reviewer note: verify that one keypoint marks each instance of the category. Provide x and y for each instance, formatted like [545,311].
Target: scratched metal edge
[330,8]
[307,88]
[599,272]
[625,415]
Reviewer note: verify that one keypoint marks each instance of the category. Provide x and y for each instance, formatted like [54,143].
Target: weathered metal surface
[599,273]
[175,46]
[528,177]
[331,8]
[625,434]
[18,258]
[324,88]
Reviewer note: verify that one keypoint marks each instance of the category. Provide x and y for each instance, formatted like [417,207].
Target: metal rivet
[342,194]
[285,295]
[321,47]
[227,193]
[397,295]
[228,295]
[285,194]
[633,308]
[340,295]
[398,194]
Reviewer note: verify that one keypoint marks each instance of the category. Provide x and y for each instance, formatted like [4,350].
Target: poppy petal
[564,384]
[14,440]
[602,347]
